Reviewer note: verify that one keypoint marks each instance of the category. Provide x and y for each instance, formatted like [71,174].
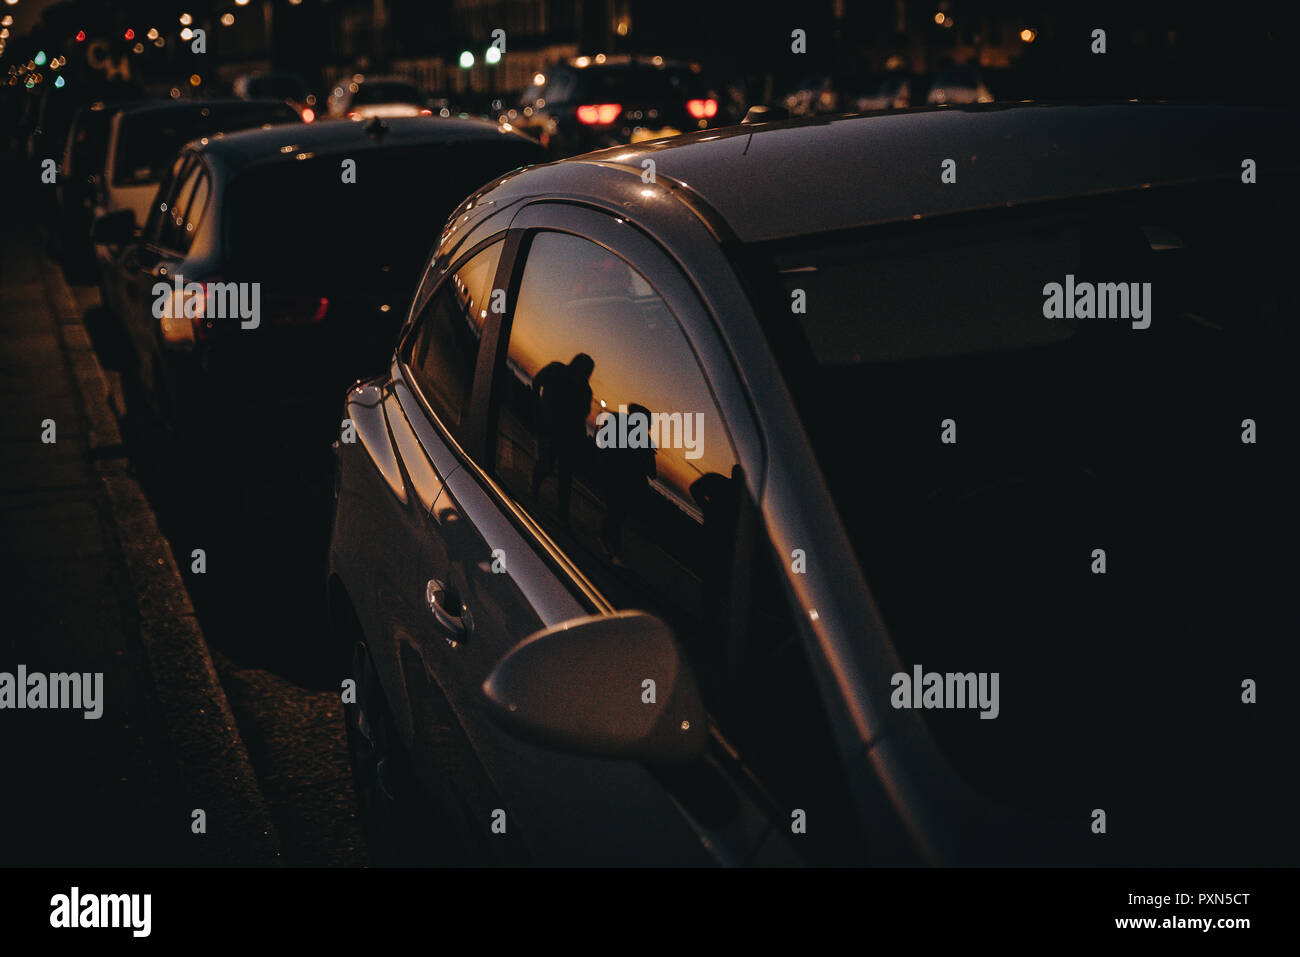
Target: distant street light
[493,56]
[466,59]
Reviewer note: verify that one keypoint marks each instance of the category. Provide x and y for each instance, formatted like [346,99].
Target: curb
[213,762]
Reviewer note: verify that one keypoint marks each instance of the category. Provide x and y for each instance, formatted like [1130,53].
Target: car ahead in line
[143,140]
[958,85]
[898,90]
[362,97]
[303,242]
[589,102]
[812,96]
[761,514]
[289,87]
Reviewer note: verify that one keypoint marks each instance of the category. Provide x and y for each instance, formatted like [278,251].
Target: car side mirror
[114,229]
[613,686]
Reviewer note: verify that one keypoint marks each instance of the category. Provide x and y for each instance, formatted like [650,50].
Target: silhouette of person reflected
[563,395]
[718,498]
[625,473]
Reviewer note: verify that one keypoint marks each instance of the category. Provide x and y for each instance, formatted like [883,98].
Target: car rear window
[619,85]
[302,218]
[148,140]
[383,91]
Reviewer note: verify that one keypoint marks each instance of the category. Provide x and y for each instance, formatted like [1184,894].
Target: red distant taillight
[702,109]
[308,114]
[294,310]
[274,310]
[426,112]
[353,115]
[599,114]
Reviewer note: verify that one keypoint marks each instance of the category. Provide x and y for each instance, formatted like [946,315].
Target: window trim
[467,445]
[608,232]
[170,184]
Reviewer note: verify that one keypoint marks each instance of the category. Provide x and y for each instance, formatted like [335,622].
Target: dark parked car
[319,232]
[277,86]
[143,139]
[593,102]
[750,517]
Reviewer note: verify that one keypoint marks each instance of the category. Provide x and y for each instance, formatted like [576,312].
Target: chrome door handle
[448,611]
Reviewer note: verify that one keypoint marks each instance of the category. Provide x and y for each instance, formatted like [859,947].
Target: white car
[362,97]
[959,85]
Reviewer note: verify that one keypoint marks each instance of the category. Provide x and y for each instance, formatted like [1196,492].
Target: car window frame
[670,280]
[170,183]
[201,174]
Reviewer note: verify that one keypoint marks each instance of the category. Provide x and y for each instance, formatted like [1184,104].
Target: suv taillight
[599,114]
[702,109]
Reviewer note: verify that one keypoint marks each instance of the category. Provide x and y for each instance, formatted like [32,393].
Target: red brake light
[426,112]
[277,310]
[81,36]
[308,114]
[702,109]
[599,114]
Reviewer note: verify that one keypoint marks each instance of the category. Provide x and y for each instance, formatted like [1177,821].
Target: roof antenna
[376,128]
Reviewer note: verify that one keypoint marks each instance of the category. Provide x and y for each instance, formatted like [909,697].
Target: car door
[160,257]
[504,565]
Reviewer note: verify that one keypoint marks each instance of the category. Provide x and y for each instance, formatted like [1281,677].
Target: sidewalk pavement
[89,585]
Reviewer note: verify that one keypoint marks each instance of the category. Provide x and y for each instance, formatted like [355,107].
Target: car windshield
[385,91]
[276,86]
[299,217]
[148,140]
[1040,432]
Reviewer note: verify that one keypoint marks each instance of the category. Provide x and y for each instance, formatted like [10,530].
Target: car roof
[798,177]
[285,140]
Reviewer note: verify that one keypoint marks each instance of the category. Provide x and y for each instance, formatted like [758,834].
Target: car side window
[173,235]
[160,216]
[443,346]
[608,435]
[187,228]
